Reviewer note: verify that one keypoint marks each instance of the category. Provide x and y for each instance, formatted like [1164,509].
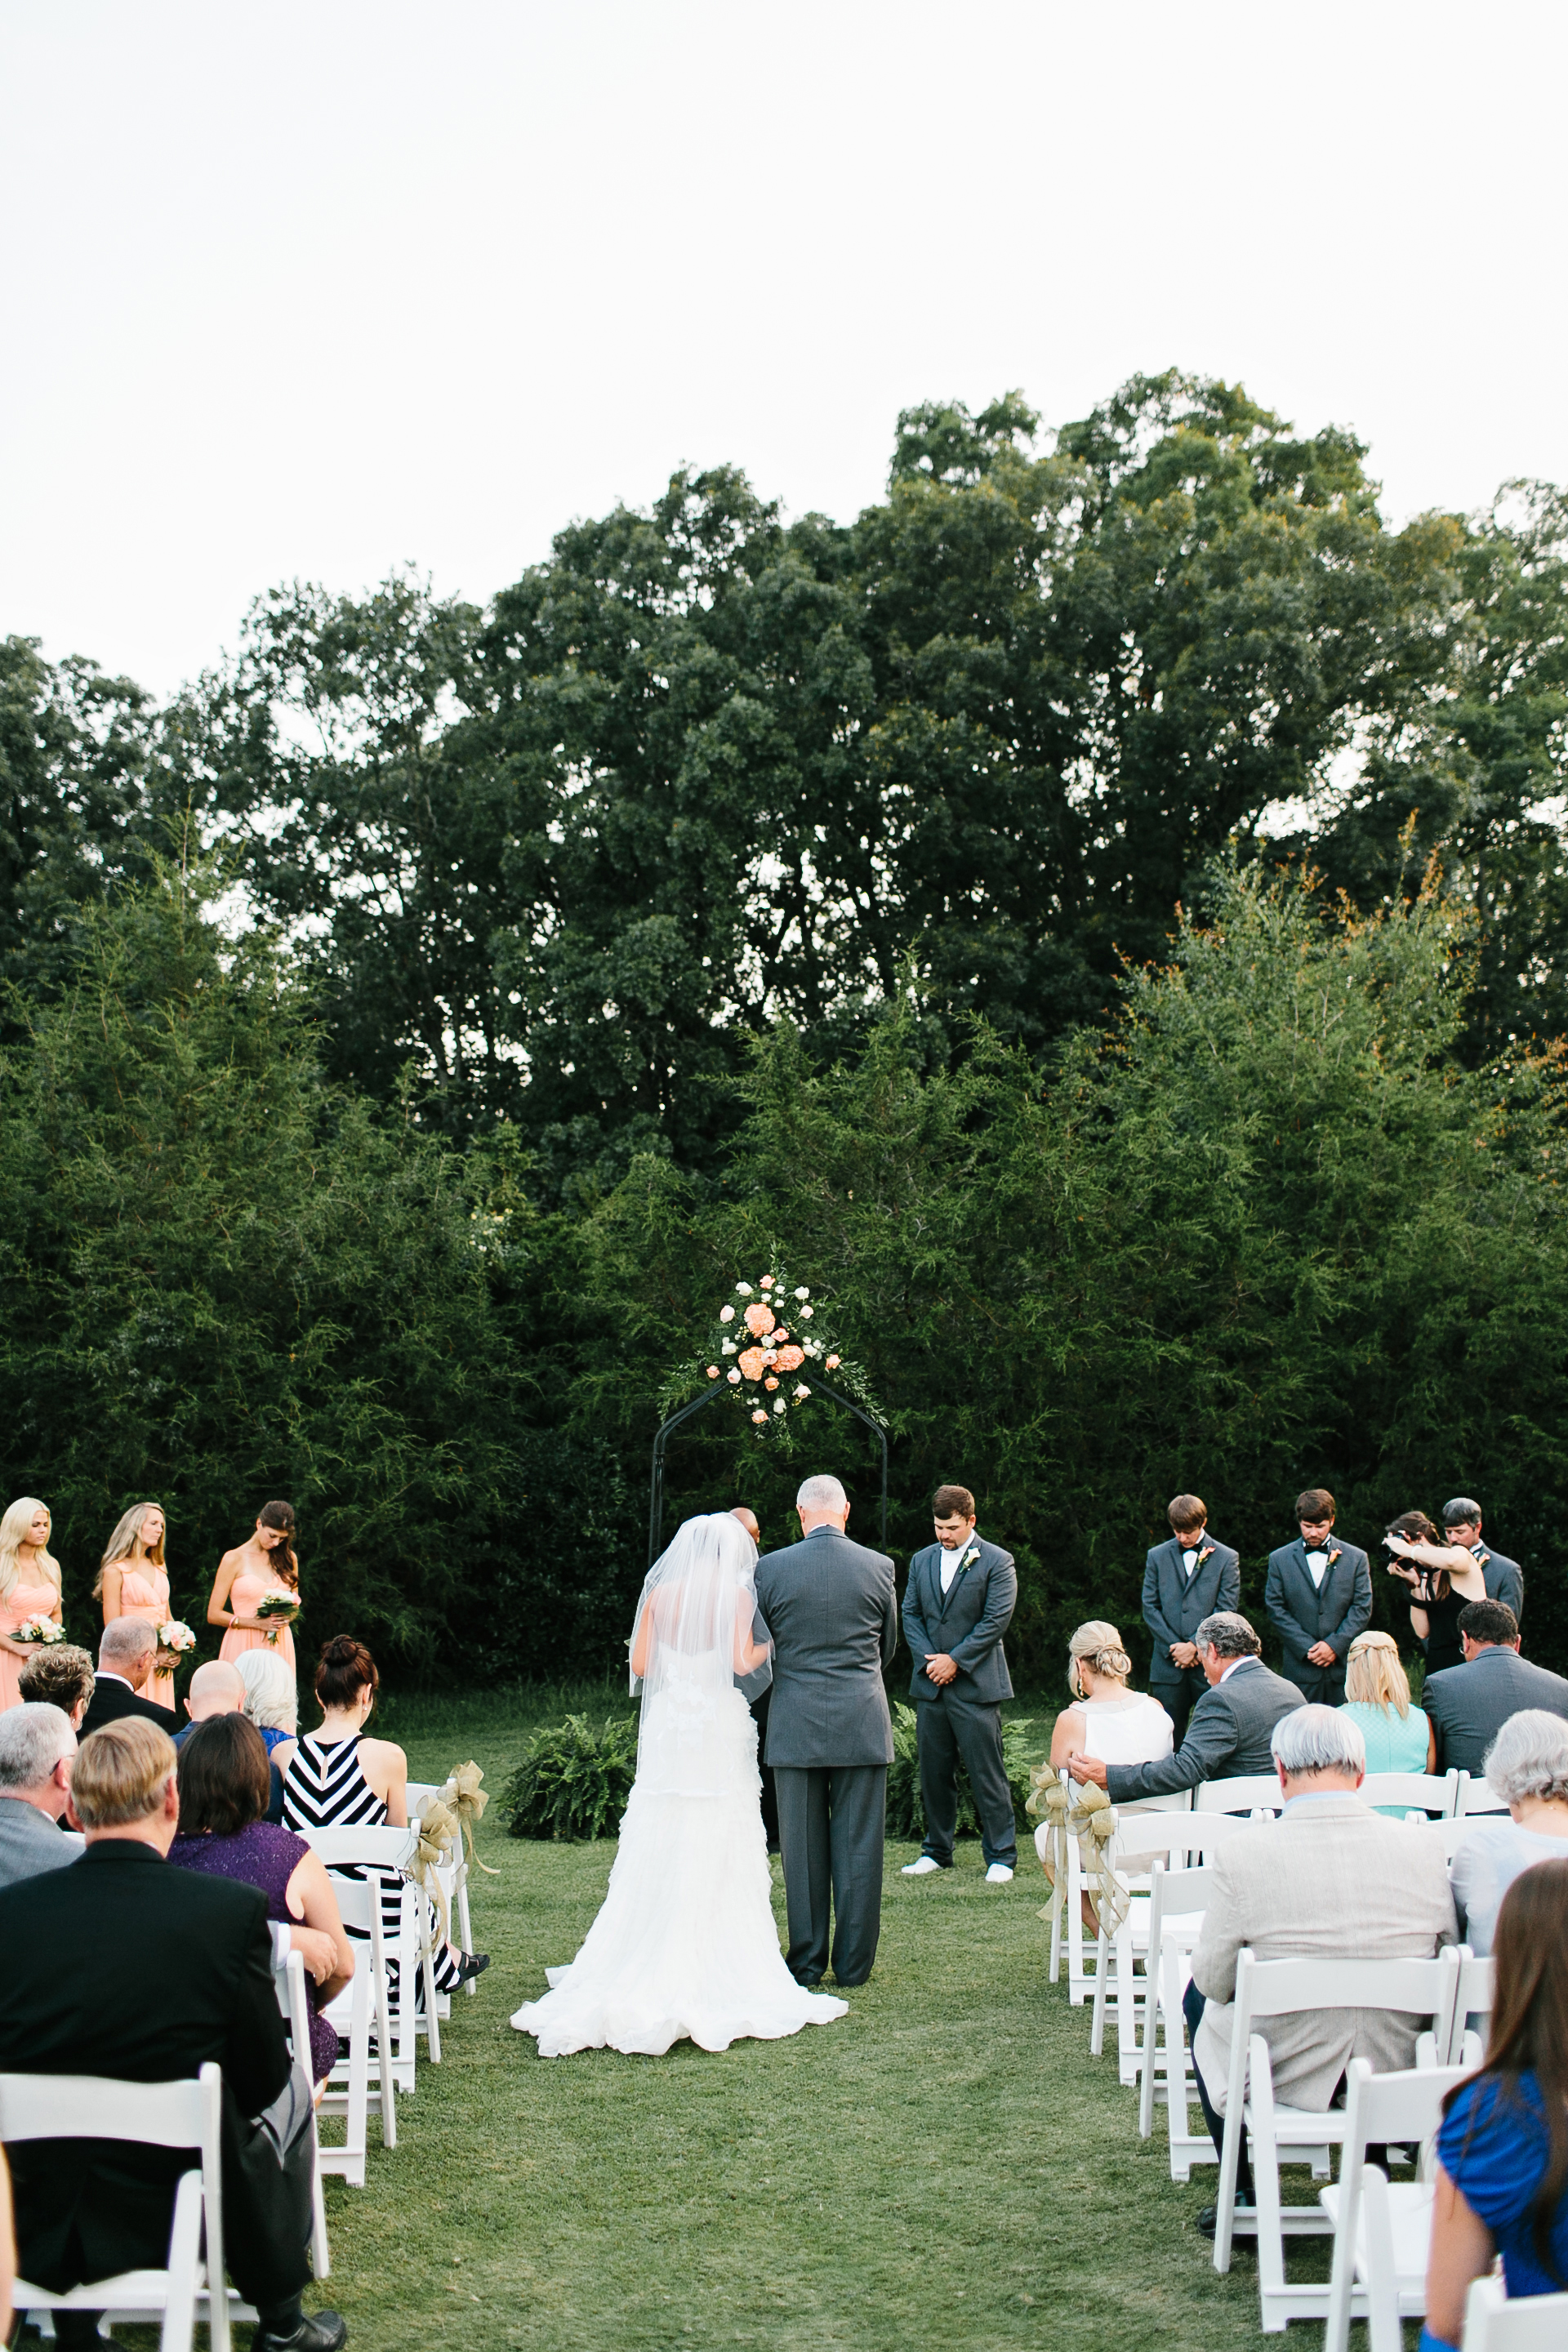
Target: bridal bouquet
[174,1637]
[281,1605]
[39,1630]
[765,1337]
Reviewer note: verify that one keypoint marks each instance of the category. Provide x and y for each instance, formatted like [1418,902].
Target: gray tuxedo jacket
[1227,1735]
[967,1621]
[1504,1579]
[831,1608]
[1174,1604]
[30,1842]
[1467,1705]
[1334,1612]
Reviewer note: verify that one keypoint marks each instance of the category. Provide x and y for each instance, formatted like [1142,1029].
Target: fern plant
[573,1780]
[906,1814]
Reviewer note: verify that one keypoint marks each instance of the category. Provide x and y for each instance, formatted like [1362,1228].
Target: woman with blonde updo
[29,1586]
[1107,1719]
[1398,1737]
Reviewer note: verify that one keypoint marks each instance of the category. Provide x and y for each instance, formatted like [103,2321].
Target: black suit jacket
[122,1966]
[1303,1614]
[1174,1604]
[966,1621]
[111,1700]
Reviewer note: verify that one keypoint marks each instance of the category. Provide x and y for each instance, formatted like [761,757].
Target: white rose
[803,1294]
[743,1289]
[806,1313]
[727,1347]
[801,1392]
[733,1378]
[726,1315]
[778,1404]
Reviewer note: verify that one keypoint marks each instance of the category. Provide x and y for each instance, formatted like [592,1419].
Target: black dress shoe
[471,1964]
[319,2331]
[1208,2216]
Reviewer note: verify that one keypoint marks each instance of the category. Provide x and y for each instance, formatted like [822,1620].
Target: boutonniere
[970,1557]
[1205,1553]
[1333,1553]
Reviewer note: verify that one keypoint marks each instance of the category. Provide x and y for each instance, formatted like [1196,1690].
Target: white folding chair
[1117,1978]
[1477,1796]
[348,2092]
[1477,1992]
[1068,1924]
[156,2114]
[289,1982]
[1249,1792]
[383,1851]
[1277,1988]
[1177,1902]
[1531,2323]
[1453,1830]
[1382,2229]
[1427,1792]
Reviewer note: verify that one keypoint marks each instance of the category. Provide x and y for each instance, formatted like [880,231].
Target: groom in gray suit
[831,1608]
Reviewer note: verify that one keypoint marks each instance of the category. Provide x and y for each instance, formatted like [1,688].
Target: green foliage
[906,1814]
[575,1779]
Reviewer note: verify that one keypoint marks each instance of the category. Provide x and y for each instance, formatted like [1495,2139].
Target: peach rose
[759,1319]
[834,1362]
[751,1362]
[770,1382]
[790,1359]
[712,1371]
[759,1415]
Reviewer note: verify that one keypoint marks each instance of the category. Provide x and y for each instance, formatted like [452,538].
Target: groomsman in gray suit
[831,1608]
[1191,1577]
[1504,1577]
[958,1603]
[1319,1596]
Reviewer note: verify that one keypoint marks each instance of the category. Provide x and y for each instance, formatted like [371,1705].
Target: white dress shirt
[1317,1569]
[951,1561]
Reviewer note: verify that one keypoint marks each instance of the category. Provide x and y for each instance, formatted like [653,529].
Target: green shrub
[906,1814]
[575,1779]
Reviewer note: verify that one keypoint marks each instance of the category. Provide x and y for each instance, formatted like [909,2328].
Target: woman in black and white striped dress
[339,1780]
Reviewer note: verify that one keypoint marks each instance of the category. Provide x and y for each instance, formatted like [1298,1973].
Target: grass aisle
[946,2163]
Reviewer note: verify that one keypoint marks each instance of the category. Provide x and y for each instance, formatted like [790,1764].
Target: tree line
[1101,912]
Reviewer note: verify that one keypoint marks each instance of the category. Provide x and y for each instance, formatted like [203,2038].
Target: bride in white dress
[685,1943]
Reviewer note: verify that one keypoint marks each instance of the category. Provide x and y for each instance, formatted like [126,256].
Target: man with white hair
[832,1611]
[1332,1878]
[38,1746]
[125,1656]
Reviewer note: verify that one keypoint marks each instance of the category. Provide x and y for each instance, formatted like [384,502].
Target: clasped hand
[941,1668]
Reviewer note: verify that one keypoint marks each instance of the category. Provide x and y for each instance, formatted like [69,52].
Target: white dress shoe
[923,1868]
[998,1874]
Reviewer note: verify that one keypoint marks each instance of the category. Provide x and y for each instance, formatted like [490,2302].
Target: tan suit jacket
[1330,1878]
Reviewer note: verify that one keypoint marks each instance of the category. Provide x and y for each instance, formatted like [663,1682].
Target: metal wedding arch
[686,1412]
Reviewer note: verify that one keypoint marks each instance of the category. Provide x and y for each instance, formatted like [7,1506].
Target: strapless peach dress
[243,1595]
[144,1592]
[25,1601]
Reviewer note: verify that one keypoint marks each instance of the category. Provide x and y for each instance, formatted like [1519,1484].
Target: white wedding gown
[685,1943]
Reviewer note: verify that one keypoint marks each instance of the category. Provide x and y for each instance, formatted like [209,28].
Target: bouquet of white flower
[281,1605]
[174,1636]
[41,1629]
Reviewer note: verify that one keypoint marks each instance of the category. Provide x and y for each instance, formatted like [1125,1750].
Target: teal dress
[1395,1743]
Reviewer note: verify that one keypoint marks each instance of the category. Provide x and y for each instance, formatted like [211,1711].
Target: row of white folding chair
[1477,1796]
[454,1877]
[1278,1987]
[1068,1929]
[290,1985]
[381,1853]
[1189,1835]
[192,2285]
[1382,2230]
[363,2007]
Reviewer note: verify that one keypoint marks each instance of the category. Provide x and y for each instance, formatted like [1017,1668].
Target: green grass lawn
[945,2164]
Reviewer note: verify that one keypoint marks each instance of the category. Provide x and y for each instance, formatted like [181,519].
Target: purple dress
[264,1856]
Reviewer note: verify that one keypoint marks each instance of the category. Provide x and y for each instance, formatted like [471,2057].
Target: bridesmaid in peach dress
[29,1587]
[134,1581]
[265,1563]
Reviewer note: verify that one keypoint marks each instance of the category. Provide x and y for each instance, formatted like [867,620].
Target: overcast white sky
[314,289]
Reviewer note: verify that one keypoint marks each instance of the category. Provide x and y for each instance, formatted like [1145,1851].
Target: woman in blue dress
[1502,2146]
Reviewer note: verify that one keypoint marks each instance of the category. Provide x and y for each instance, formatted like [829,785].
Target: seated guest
[1398,1737]
[125,1657]
[337,1777]
[1107,1719]
[1228,1730]
[1527,1764]
[1328,1880]
[36,1749]
[1470,1703]
[125,1968]
[1318,1597]
[60,1675]
[218,1689]
[1502,2146]
[271,1701]
[223,1783]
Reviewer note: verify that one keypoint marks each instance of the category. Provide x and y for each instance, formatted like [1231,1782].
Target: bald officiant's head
[748,1519]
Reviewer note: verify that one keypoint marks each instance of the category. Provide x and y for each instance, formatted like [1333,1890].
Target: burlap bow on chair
[1051,1799]
[463,1796]
[1093,1822]
[437,1828]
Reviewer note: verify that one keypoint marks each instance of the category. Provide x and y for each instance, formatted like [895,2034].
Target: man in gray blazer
[1319,1596]
[831,1608]
[38,1747]
[1503,1577]
[1467,1705]
[1230,1728]
[1191,1577]
[958,1603]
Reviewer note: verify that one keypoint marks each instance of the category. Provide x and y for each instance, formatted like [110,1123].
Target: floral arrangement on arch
[764,1344]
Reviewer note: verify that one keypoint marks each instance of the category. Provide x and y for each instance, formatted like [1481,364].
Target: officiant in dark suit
[1188,1578]
[958,1603]
[1319,1598]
